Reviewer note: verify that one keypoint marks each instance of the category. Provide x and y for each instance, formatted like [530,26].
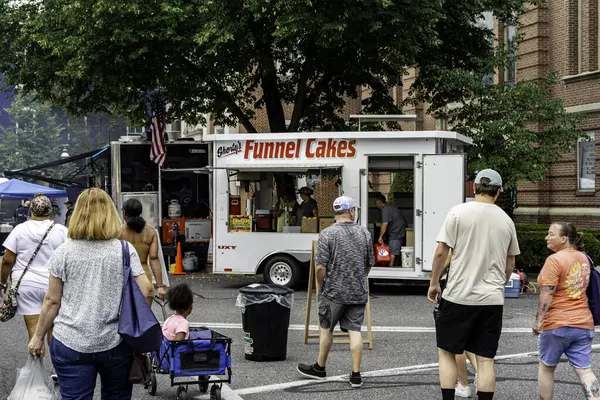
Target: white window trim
[592,136]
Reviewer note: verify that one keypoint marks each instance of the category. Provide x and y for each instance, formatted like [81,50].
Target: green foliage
[544,228]
[226,57]
[533,227]
[81,138]
[35,138]
[517,130]
[403,182]
[534,251]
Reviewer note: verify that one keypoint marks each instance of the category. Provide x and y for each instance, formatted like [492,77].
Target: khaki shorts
[349,316]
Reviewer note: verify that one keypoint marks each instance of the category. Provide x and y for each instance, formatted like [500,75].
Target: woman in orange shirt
[564,323]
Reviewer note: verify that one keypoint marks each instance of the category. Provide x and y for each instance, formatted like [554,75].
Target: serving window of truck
[273,194]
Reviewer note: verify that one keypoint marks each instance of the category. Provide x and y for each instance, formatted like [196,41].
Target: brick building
[562,36]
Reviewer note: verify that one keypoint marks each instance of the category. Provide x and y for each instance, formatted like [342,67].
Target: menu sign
[240,223]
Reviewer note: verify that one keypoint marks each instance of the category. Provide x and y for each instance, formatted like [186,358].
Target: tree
[518,130]
[91,132]
[36,136]
[402,182]
[228,57]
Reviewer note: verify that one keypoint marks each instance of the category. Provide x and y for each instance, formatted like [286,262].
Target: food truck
[175,197]
[254,234]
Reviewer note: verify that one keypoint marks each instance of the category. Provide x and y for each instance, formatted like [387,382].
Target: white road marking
[369,374]
[313,328]
[226,394]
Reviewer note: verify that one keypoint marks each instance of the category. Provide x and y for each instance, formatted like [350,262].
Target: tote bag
[593,292]
[138,325]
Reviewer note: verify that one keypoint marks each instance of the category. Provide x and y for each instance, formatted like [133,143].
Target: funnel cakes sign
[309,149]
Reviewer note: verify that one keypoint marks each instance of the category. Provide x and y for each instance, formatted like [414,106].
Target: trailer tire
[282,270]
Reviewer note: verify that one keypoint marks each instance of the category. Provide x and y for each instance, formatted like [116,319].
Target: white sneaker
[462,391]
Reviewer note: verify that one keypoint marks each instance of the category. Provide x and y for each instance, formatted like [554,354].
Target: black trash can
[265,320]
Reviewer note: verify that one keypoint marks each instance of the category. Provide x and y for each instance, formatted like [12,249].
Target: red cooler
[235,205]
[263,220]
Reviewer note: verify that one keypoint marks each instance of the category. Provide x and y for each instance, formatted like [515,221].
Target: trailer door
[443,188]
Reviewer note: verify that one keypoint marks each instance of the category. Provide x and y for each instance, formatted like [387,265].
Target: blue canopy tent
[16,189]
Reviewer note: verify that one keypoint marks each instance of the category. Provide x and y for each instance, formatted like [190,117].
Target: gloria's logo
[234,148]
[383,253]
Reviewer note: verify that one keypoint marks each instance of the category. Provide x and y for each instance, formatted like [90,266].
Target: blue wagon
[202,360]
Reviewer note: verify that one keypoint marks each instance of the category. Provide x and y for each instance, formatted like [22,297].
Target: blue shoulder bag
[138,325]
[593,292]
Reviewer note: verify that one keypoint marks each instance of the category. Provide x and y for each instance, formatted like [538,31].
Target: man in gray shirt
[343,260]
[392,223]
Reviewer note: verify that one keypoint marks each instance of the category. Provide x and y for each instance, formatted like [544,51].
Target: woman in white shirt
[20,246]
[83,302]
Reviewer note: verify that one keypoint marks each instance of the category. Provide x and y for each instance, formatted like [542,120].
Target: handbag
[593,292]
[138,325]
[141,369]
[8,308]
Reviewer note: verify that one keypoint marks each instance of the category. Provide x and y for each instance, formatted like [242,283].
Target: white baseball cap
[343,203]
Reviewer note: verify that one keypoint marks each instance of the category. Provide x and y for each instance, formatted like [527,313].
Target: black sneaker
[312,371]
[355,380]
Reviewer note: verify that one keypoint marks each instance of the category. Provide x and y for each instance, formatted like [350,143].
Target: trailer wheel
[282,270]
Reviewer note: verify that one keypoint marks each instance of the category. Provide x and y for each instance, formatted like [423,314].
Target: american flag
[158,151]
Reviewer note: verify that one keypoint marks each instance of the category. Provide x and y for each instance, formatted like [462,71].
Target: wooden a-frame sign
[312,284]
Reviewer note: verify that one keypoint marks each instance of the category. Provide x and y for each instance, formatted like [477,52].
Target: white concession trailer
[246,168]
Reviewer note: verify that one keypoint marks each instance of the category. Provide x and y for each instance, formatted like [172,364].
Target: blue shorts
[576,343]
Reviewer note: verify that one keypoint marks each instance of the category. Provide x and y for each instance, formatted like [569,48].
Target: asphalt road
[401,365]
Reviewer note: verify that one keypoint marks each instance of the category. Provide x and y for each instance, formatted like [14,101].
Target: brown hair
[484,188]
[41,206]
[94,217]
[575,238]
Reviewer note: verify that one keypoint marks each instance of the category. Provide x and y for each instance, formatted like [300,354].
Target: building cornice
[584,108]
[557,211]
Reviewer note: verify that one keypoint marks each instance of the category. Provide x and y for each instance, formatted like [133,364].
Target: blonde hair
[94,217]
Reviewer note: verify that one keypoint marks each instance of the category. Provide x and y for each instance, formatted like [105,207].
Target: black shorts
[475,329]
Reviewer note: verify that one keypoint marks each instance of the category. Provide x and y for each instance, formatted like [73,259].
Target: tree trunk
[270,87]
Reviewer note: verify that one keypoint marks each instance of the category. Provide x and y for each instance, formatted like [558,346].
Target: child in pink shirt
[181,300]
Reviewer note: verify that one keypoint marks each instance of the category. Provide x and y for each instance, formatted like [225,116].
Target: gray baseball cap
[494,178]
[343,203]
